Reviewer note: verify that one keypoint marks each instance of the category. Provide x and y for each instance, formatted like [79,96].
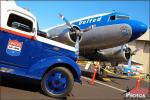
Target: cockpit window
[116,17]
[113,17]
[122,17]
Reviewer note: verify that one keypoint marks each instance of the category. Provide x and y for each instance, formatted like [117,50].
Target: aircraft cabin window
[113,17]
[20,23]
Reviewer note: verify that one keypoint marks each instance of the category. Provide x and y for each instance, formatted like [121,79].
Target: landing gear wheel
[57,82]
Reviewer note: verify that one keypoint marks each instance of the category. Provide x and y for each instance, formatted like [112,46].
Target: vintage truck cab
[23,52]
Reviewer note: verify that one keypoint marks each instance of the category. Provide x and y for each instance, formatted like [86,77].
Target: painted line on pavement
[104,84]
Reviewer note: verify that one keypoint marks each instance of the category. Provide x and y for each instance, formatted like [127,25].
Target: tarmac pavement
[18,88]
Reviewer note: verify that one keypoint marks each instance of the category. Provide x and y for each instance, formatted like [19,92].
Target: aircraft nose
[138,29]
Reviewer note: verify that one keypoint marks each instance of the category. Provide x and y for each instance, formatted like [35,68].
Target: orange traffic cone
[94,74]
[138,83]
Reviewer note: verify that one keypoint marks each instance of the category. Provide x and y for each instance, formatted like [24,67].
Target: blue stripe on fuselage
[100,21]
[138,28]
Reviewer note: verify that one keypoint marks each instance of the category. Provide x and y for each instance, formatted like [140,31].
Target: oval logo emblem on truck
[14,47]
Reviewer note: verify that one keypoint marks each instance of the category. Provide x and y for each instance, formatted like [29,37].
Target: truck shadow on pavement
[18,82]
[22,83]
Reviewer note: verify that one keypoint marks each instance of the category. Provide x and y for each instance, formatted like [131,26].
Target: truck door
[16,40]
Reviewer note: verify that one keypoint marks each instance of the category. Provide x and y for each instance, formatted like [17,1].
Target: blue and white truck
[25,52]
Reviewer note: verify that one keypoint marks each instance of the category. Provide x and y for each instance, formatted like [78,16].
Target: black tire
[69,85]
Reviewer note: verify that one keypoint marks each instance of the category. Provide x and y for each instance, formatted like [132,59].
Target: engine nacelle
[120,53]
[63,34]
[115,54]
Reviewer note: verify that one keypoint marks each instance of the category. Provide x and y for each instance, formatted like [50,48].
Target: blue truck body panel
[32,58]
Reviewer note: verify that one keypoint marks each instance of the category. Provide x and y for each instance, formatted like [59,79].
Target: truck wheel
[57,82]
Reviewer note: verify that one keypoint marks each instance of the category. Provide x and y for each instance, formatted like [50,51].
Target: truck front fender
[39,68]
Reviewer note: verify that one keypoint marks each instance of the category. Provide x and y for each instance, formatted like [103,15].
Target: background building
[143,55]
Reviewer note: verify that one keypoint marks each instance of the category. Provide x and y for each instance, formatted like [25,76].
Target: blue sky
[47,11]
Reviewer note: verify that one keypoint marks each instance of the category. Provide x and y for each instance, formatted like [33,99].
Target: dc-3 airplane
[102,36]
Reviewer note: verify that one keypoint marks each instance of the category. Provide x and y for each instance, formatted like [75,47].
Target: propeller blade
[77,45]
[89,28]
[129,61]
[136,50]
[133,52]
[65,20]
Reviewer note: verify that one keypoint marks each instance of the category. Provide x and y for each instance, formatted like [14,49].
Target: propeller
[131,54]
[76,31]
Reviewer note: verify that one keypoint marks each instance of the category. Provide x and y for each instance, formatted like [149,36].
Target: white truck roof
[7,6]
